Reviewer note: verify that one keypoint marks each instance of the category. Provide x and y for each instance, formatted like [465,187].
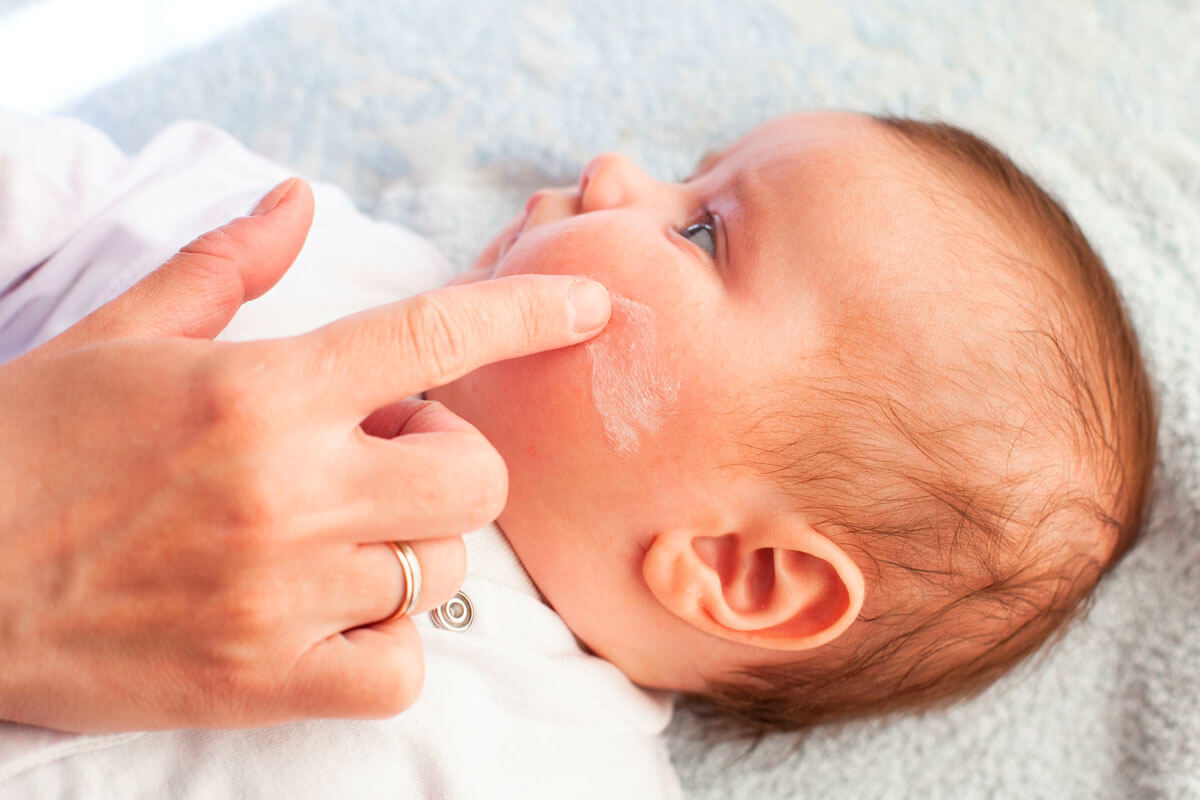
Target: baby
[867,425]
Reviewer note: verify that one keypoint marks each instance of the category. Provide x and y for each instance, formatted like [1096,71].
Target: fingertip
[278,196]
[301,194]
[285,215]
[588,306]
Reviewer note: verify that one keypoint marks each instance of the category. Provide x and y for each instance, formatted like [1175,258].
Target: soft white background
[443,116]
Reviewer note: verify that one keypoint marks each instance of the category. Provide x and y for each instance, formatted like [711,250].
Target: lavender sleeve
[80,221]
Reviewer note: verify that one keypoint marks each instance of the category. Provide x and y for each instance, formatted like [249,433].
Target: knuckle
[214,248]
[247,511]
[434,337]
[227,436]
[215,258]
[223,394]
[249,618]
[398,686]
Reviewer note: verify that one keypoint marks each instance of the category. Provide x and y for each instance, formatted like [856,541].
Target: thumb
[197,292]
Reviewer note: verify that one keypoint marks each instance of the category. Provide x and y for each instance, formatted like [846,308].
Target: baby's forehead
[839,193]
[881,239]
[846,174]
[836,143]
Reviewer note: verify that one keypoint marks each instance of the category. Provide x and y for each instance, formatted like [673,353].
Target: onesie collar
[490,555]
[508,607]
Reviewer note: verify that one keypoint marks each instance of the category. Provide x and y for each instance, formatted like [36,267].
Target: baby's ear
[780,584]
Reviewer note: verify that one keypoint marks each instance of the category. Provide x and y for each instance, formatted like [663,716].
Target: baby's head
[868,423]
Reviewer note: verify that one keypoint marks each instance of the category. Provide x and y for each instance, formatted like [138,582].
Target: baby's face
[723,285]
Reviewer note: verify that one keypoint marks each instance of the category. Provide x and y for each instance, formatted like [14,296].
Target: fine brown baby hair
[1009,581]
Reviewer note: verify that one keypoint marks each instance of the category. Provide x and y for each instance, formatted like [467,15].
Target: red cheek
[531,451]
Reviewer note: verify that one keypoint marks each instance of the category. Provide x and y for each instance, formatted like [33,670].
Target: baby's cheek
[621,387]
[624,260]
[572,411]
[537,412]
[633,381]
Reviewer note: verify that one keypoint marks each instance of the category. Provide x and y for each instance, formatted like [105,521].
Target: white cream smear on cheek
[633,390]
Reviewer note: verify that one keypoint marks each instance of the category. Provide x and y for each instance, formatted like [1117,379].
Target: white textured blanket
[442,116]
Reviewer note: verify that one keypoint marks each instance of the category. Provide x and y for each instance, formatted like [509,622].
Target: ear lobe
[781,586]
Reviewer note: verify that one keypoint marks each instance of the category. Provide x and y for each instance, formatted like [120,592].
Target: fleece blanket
[443,116]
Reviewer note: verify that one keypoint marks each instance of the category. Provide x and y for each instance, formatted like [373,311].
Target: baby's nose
[608,181]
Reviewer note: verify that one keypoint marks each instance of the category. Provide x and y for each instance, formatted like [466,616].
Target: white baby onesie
[512,706]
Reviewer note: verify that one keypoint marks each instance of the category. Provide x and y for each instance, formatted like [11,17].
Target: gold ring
[412,579]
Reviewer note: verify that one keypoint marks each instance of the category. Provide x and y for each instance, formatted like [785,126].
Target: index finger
[372,358]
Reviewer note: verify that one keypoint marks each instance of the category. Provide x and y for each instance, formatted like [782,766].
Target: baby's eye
[704,236]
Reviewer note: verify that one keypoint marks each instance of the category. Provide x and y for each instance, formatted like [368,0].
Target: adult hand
[191,532]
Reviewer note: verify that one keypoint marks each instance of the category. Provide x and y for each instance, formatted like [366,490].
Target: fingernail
[587,306]
[273,198]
